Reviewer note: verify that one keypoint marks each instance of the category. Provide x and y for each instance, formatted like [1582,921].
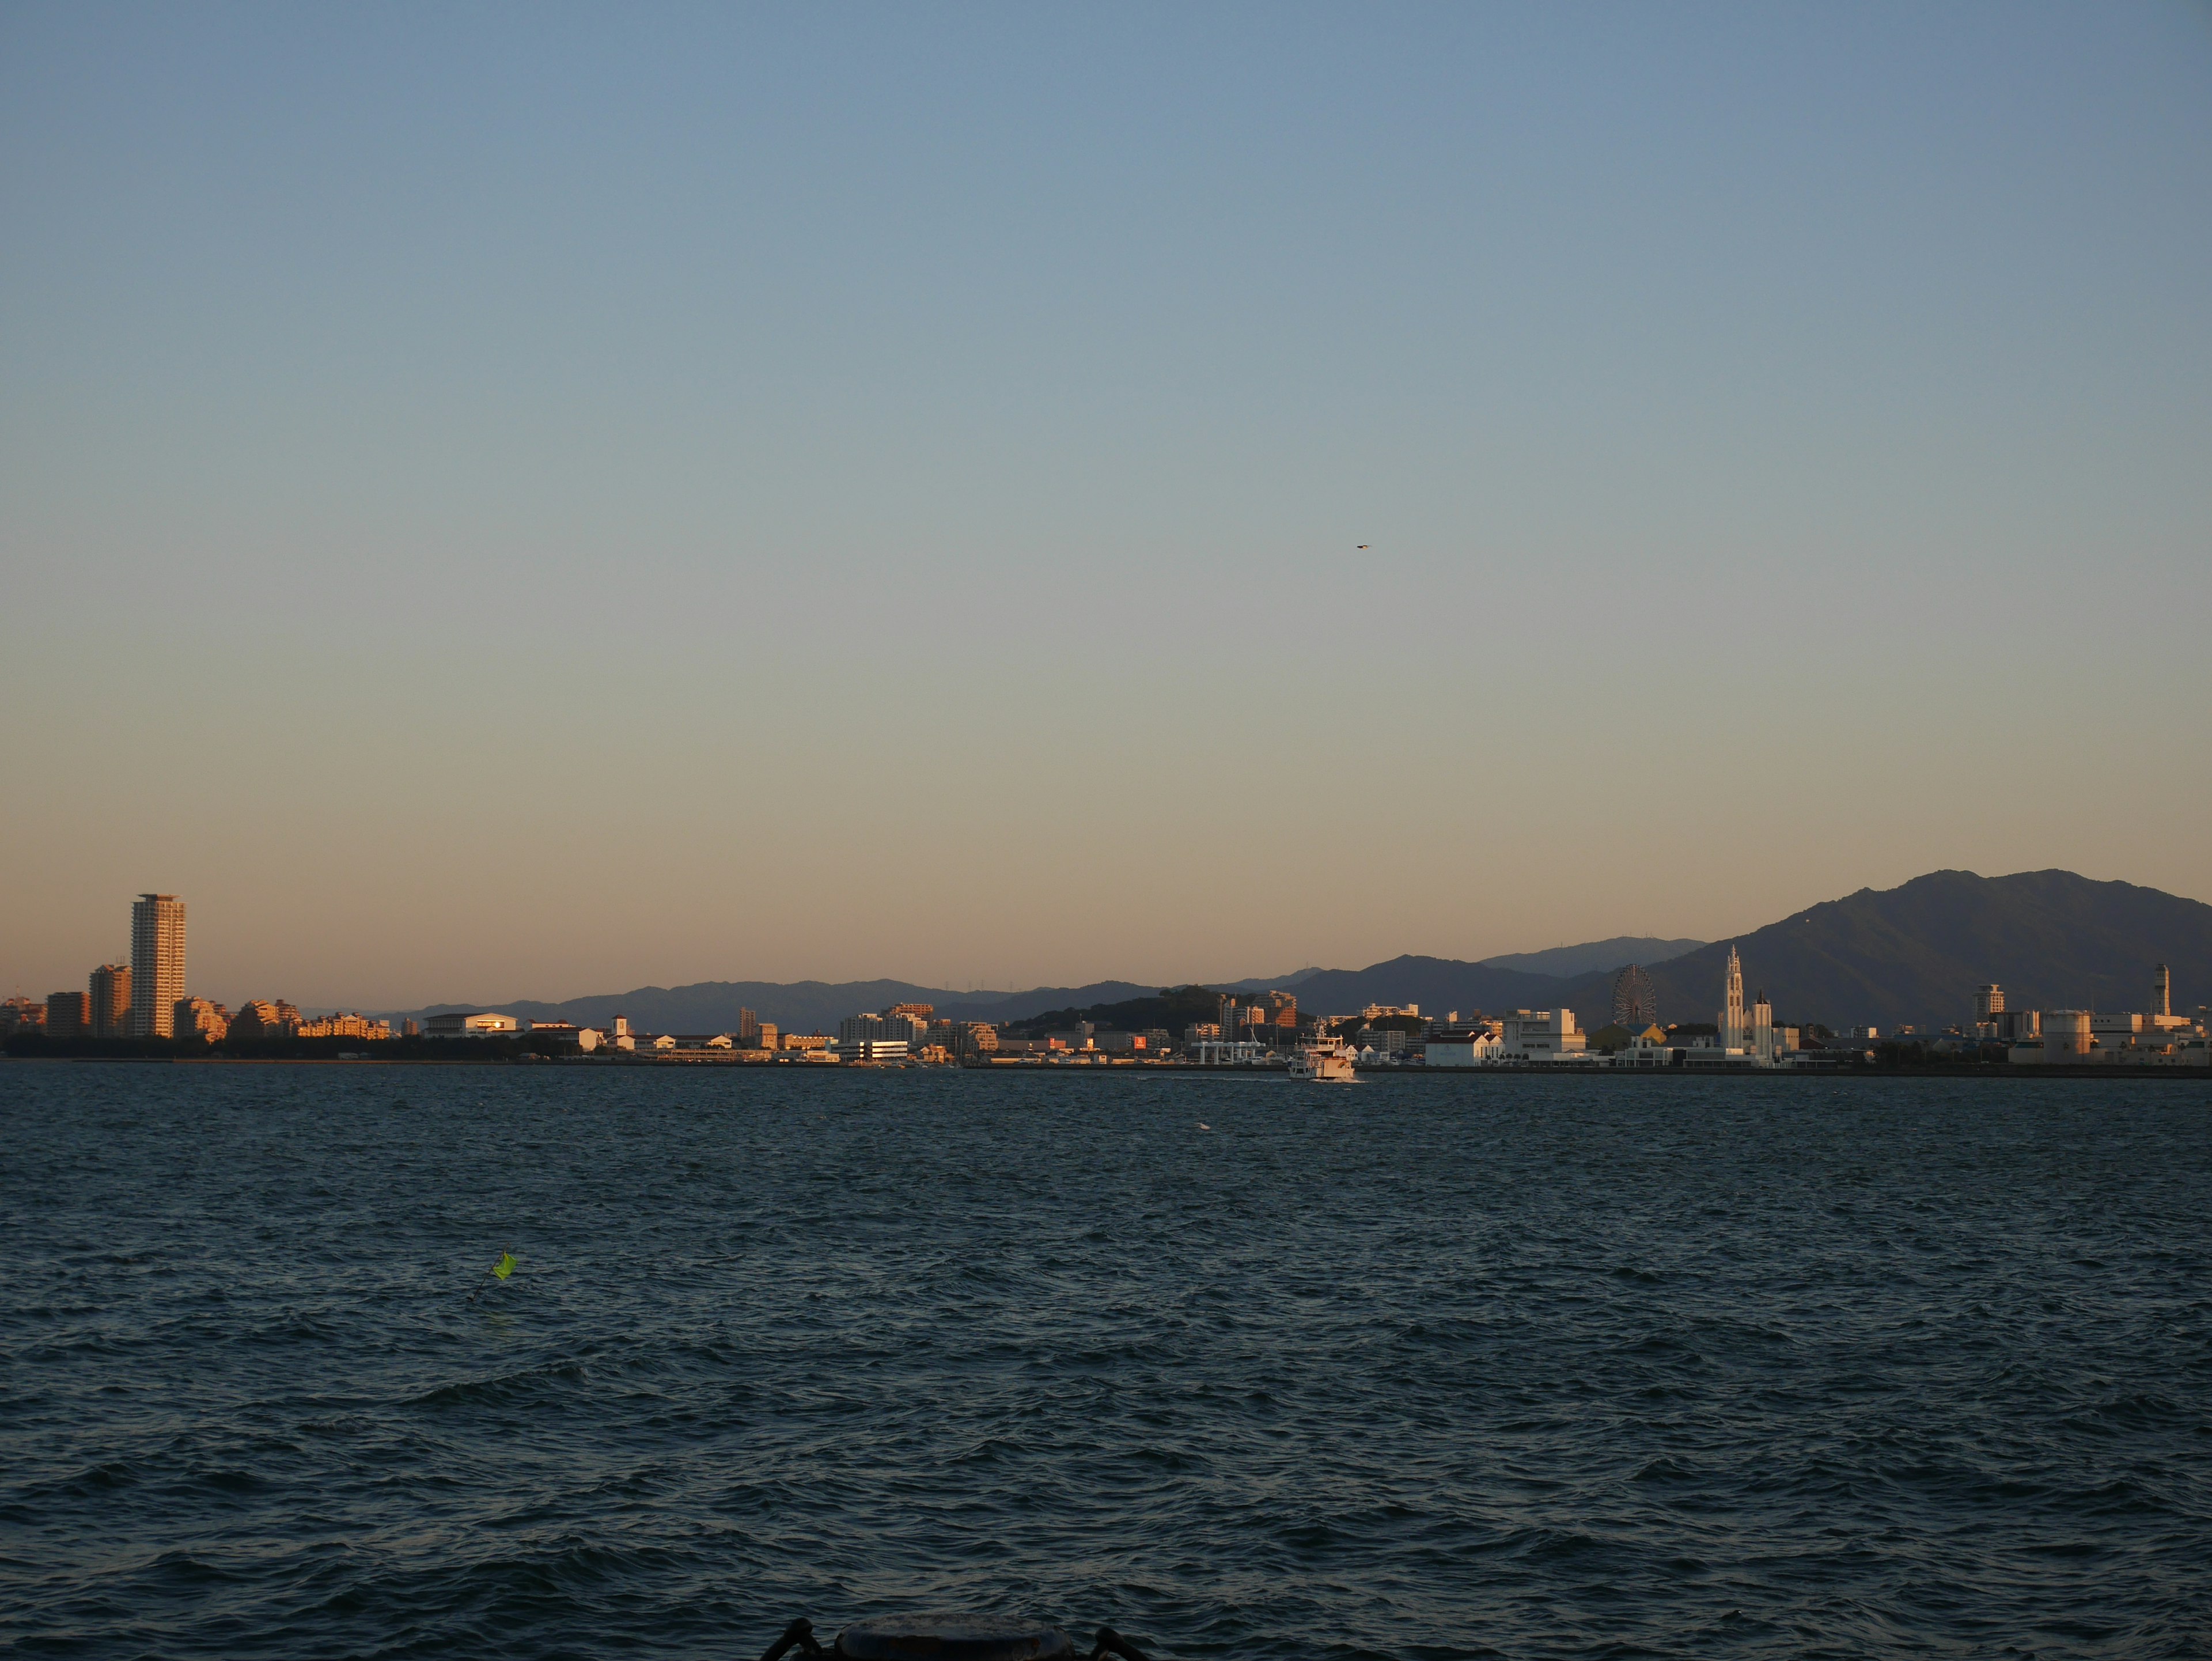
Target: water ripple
[1434,1368]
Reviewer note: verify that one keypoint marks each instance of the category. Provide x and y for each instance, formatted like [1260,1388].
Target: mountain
[1914,954]
[1595,955]
[795,1006]
[1270,982]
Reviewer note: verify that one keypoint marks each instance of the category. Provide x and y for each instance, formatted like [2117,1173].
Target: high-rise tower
[1732,1016]
[157,964]
[2162,991]
[111,1000]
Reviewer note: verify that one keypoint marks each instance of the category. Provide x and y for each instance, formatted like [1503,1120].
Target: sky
[505,501]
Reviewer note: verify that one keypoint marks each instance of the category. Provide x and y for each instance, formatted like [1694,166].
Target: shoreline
[1152,1070]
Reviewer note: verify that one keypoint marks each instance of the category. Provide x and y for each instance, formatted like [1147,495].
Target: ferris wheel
[1635,999]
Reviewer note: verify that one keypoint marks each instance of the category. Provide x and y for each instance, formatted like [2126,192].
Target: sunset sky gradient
[528,501]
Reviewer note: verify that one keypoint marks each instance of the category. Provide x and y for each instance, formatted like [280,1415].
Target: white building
[1540,1036]
[1467,1046]
[470,1024]
[871,1049]
[1751,1032]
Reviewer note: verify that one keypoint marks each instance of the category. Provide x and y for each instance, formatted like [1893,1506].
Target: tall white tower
[2162,991]
[157,964]
[1732,1016]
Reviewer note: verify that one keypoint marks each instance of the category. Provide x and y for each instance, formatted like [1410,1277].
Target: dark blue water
[1413,1368]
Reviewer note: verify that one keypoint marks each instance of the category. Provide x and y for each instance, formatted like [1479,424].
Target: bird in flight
[1363,547]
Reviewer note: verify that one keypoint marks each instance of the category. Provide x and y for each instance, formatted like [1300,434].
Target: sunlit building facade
[157,964]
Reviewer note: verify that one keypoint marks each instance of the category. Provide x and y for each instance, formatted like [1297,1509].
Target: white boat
[1325,1061]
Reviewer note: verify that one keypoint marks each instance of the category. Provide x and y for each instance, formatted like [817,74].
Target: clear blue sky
[526,501]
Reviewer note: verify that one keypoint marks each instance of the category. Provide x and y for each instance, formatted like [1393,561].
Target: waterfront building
[1649,1048]
[484,1024]
[764,1036]
[1540,1035]
[68,1014]
[748,1032]
[111,1000]
[2081,1037]
[1477,1044]
[806,1042]
[2066,1034]
[20,1014]
[197,1018]
[336,1025]
[157,964]
[871,1050]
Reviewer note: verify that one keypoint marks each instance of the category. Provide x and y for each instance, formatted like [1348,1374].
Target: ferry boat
[1325,1061]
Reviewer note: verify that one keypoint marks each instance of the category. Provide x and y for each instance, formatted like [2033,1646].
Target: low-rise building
[1479,1043]
[20,1014]
[871,1050]
[338,1025]
[1648,1047]
[1540,1036]
[482,1024]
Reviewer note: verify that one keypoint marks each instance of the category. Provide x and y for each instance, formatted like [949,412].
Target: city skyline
[2055,930]
[998,498]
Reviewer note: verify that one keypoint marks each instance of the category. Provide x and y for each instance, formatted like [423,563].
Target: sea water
[1417,1367]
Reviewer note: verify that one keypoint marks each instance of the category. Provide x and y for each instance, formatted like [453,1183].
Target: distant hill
[1173,1008]
[1914,954]
[1595,955]
[795,1005]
